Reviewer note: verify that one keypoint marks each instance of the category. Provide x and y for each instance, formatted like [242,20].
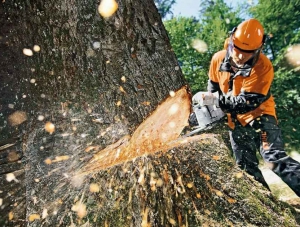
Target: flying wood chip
[215,157]
[107,8]
[10,215]
[17,118]
[49,127]
[94,188]
[293,55]
[33,217]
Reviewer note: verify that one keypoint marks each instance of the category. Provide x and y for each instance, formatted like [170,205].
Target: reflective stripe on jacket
[259,82]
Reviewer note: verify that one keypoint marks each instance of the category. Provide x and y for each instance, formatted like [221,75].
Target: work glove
[225,102]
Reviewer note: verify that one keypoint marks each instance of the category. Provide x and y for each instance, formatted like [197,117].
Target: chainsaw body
[206,110]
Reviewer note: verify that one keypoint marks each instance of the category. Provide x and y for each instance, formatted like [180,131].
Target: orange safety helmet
[249,35]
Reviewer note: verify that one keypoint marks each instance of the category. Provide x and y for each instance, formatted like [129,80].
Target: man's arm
[244,102]
[213,86]
[254,91]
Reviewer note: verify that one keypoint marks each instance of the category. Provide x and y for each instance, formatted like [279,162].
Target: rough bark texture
[86,62]
[97,80]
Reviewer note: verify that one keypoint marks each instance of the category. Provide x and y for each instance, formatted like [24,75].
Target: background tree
[183,32]
[164,7]
[280,19]
[215,21]
[194,41]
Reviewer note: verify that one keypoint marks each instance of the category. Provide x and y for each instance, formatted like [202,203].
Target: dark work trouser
[263,134]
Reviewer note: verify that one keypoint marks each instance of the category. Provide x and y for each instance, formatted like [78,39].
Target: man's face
[240,57]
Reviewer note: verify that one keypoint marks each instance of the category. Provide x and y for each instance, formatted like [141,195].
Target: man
[243,75]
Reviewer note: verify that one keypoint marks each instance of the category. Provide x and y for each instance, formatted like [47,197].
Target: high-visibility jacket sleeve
[244,102]
[214,68]
[213,86]
[213,81]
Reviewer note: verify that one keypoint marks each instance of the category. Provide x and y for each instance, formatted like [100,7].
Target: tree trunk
[96,85]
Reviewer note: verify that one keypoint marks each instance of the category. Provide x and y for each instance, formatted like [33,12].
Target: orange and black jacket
[244,94]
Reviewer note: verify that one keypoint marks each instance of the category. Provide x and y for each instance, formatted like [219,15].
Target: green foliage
[286,92]
[212,28]
[182,31]
[280,19]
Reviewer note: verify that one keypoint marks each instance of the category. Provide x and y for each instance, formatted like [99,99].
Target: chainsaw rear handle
[205,99]
[206,110]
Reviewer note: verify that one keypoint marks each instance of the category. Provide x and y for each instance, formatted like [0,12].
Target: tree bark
[96,81]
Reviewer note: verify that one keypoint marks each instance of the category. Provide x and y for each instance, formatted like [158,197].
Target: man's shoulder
[263,63]
[263,59]
[263,66]
[219,56]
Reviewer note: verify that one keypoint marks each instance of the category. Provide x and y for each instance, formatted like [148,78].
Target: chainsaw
[206,112]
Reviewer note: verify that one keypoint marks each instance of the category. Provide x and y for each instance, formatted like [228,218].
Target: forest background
[195,39]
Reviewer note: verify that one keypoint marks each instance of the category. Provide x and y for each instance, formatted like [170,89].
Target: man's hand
[225,102]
